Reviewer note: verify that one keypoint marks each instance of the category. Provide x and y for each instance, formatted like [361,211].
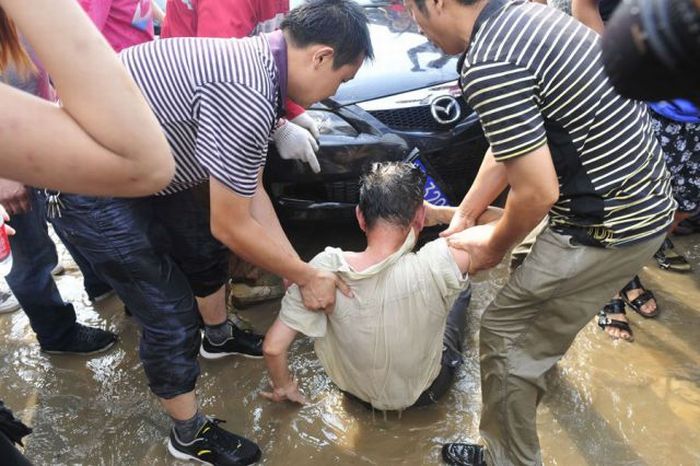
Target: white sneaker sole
[183,456]
[207,355]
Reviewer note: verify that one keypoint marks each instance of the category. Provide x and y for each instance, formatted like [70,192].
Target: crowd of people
[146,156]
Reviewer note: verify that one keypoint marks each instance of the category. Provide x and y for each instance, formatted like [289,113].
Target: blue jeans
[34,256]
[157,253]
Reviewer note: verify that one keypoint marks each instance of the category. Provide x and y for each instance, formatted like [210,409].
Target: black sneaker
[215,446]
[242,342]
[85,341]
[463,454]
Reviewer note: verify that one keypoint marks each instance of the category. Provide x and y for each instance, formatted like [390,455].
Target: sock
[218,334]
[187,430]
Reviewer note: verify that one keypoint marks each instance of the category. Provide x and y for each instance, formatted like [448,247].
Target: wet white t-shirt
[384,345]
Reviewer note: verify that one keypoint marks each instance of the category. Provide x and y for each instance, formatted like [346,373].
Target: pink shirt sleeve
[293,109]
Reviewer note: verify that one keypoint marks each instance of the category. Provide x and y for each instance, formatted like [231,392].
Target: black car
[404,105]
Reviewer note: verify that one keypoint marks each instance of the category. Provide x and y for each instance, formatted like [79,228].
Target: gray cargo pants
[530,325]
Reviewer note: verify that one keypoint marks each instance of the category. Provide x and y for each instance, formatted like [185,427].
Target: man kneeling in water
[394,344]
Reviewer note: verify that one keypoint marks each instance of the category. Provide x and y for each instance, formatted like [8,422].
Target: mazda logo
[445,109]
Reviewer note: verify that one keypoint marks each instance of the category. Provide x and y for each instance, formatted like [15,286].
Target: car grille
[455,167]
[415,118]
[343,191]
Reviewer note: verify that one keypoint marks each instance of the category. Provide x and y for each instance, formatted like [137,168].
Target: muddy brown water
[609,403]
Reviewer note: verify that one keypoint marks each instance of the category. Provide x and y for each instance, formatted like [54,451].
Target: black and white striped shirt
[216,100]
[534,76]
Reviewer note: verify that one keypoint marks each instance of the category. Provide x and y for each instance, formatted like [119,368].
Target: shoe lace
[85,334]
[215,436]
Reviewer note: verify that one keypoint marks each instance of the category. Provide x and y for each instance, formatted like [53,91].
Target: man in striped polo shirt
[568,146]
[217,101]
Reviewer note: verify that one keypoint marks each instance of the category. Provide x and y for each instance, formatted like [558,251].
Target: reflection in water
[609,403]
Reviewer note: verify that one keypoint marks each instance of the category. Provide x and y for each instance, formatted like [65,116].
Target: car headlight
[331,124]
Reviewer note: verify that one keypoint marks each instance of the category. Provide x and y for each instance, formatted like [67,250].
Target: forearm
[443,214]
[275,348]
[264,213]
[490,181]
[278,369]
[251,241]
[95,89]
[524,210]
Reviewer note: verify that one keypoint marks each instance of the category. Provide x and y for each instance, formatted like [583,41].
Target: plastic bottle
[5,251]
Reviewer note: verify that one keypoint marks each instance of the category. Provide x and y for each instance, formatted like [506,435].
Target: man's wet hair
[340,24]
[392,192]
[421,4]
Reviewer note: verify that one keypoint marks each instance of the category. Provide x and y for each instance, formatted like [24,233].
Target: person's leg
[681,147]
[94,286]
[34,256]
[10,455]
[531,324]
[114,236]
[204,261]
[52,319]
[455,327]
[456,324]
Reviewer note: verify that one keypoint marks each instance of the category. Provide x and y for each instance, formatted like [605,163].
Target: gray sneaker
[8,302]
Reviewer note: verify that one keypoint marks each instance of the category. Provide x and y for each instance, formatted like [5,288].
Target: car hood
[404,59]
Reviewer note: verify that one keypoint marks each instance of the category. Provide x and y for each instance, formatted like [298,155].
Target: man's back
[385,344]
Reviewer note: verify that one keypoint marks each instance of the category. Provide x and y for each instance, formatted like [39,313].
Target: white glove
[295,142]
[305,121]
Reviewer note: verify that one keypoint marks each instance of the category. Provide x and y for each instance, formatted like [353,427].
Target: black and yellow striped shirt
[534,76]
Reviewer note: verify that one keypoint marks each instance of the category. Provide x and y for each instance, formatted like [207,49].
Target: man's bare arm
[233,224]
[462,258]
[262,210]
[488,184]
[277,342]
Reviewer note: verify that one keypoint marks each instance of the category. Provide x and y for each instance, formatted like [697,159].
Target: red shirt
[226,18]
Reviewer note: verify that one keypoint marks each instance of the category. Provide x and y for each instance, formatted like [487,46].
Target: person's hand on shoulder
[476,241]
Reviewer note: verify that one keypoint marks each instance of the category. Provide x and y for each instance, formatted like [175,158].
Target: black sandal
[615,306]
[637,303]
[669,259]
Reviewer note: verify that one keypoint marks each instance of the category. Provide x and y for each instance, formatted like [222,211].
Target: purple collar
[278,47]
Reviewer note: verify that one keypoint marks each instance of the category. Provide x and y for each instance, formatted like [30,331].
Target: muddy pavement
[610,403]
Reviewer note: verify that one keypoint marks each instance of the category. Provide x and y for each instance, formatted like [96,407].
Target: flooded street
[609,403]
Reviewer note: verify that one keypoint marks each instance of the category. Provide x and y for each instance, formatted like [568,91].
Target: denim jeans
[157,253]
[34,256]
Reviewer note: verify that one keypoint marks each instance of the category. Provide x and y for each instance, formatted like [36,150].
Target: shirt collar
[348,272]
[492,6]
[278,48]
